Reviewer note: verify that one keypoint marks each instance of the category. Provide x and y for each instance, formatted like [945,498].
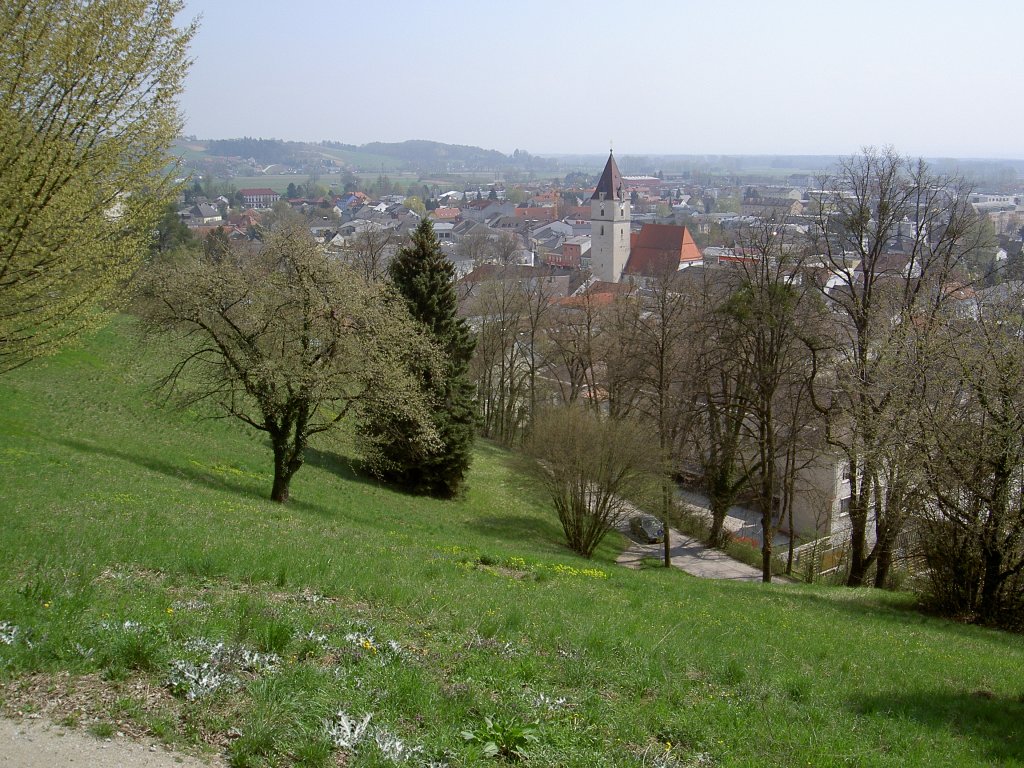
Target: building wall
[818,502]
[609,238]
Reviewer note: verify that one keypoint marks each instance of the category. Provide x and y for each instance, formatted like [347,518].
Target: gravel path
[37,744]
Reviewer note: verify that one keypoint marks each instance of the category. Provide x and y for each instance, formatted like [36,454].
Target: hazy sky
[675,77]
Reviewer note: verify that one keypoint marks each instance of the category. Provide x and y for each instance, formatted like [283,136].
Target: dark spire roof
[610,185]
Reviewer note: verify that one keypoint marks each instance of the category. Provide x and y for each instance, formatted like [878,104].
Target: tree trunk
[858,531]
[719,509]
[988,607]
[666,502]
[287,461]
[883,562]
[792,545]
[858,571]
[282,480]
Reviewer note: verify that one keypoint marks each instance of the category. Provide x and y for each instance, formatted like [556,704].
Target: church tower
[609,225]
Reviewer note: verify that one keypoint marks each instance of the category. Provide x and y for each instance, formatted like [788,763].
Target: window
[602,229]
[844,507]
[602,211]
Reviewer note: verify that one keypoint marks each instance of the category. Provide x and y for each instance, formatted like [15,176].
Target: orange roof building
[661,248]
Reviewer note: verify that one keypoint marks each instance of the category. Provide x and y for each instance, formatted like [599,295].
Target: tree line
[857,342]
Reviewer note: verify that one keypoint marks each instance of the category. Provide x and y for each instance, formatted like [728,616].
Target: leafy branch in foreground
[88,110]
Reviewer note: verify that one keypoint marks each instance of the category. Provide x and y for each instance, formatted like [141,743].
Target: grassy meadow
[148,586]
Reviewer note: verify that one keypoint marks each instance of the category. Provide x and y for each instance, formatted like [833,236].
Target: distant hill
[434,154]
[415,155]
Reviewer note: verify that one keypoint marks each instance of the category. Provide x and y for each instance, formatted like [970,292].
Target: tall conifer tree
[424,278]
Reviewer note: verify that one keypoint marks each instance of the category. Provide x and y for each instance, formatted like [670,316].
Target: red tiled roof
[598,294]
[446,213]
[660,248]
[593,300]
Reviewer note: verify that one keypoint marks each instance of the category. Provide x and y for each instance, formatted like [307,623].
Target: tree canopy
[88,109]
[423,277]
[288,341]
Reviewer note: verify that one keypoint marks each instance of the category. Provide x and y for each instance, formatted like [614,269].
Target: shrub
[590,465]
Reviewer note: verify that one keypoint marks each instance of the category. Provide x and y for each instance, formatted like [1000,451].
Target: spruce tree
[424,279]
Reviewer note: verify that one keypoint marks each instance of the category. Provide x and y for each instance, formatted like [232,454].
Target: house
[482,210]
[574,251]
[204,213]
[443,230]
[554,227]
[660,249]
[451,215]
[536,213]
[505,223]
[259,198]
[755,203]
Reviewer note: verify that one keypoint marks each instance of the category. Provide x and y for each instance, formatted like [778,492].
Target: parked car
[647,528]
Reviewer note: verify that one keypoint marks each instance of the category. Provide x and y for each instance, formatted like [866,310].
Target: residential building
[259,198]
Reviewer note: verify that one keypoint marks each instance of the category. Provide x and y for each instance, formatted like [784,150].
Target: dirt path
[38,744]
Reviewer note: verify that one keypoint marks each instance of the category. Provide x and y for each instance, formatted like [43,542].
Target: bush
[590,465]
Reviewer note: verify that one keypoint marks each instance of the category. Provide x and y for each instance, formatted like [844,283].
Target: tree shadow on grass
[993,722]
[192,474]
[879,606]
[516,529]
[346,468]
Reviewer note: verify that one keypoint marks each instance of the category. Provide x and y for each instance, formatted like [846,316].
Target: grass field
[136,539]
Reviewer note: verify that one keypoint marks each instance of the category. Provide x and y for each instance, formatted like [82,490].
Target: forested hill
[414,155]
[422,152]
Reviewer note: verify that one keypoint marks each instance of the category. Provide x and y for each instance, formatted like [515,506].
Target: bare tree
[368,251]
[973,521]
[718,409]
[475,246]
[500,363]
[538,299]
[890,235]
[575,349]
[504,250]
[766,317]
[621,368]
[662,330]
[590,465]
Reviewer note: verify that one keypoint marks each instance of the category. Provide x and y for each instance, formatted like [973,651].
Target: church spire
[610,185]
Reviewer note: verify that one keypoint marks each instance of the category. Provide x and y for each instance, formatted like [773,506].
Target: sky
[937,79]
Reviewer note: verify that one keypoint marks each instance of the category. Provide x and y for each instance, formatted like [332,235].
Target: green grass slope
[135,538]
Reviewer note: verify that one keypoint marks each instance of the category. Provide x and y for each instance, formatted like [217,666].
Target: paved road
[687,554]
[691,556]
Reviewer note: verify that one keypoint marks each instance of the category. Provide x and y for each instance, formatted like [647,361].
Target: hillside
[419,156]
[136,538]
